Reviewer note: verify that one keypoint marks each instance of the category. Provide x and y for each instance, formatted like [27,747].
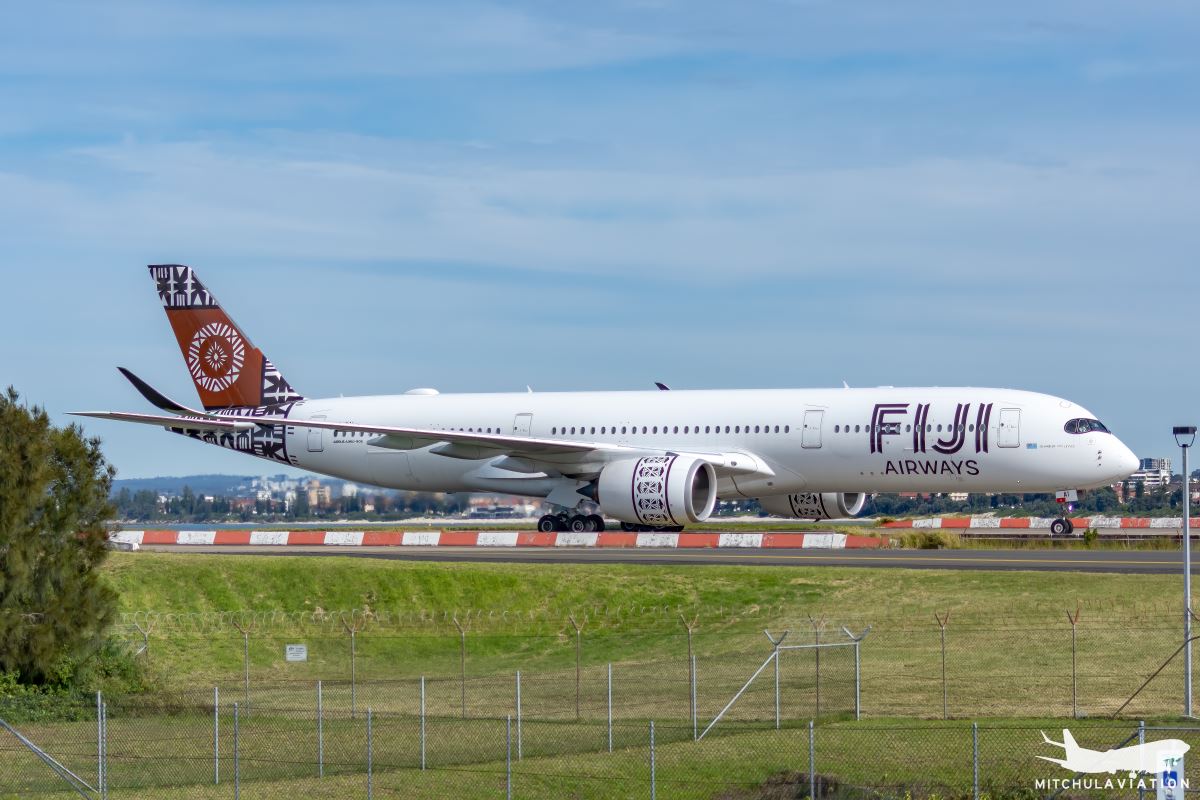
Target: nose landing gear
[1067,499]
[1061,527]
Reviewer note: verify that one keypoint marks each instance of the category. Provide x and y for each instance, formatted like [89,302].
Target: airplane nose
[1127,462]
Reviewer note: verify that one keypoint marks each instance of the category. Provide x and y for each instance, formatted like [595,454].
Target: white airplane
[655,460]
[1146,757]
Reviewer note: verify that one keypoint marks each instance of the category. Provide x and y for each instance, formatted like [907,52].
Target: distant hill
[217,485]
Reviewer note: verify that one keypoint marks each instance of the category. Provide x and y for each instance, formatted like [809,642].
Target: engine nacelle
[658,490]
[814,505]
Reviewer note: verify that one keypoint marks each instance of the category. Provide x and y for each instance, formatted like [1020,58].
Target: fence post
[610,706]
[462,660]
[508,757]
[370,758]
[518,715]
[818,625]
[857,681]
[812,762]
[653,783]
[244,630]
[320,730]
[578,658]
[975,760]
[1074,620]
[99,740]
[422,722]
[104,749]
[941,621]
[237,764]
[775,655]
[1141,740]
[695,727]
[353,674]
[216,735]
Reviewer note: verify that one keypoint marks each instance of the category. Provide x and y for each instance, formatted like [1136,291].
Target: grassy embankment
[1008,655]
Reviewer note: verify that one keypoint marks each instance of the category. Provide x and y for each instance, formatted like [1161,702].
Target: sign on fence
[295,652]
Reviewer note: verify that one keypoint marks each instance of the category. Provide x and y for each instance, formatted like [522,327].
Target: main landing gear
[576,523]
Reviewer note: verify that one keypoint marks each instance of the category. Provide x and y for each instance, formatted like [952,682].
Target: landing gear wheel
[597,522]
[628,527]
[1070,526]
[548,523]
[1060,527]
[578,524]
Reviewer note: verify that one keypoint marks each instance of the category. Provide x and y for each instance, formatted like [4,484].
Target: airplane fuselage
[812,440]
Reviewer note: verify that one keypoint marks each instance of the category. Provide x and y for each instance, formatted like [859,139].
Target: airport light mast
[1185,436]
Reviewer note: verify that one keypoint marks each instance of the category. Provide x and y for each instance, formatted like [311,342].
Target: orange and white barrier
[456,538]
[1080,523]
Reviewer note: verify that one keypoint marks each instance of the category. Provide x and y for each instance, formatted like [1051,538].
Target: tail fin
[228,370]
[1069,743]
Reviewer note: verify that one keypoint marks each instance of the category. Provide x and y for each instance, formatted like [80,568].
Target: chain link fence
[459,707]
[196,753]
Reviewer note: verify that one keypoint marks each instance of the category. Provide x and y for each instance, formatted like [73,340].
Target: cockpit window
[1085,426]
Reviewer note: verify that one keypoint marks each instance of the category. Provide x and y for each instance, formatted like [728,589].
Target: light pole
[1185,436]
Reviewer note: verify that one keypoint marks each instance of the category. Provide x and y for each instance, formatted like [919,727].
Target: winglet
[156,398]
[662,386]
[1048,740]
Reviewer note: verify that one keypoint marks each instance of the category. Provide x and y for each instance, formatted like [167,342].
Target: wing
[474,446]
[581,457]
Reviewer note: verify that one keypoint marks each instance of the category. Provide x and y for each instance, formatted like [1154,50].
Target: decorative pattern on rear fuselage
[264,441]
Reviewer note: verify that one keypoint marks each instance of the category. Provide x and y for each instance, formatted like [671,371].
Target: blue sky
[587,196]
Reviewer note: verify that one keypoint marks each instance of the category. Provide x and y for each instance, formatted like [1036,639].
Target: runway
[1114,561]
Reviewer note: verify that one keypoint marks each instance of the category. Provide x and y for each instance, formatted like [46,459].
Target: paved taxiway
[1125,561]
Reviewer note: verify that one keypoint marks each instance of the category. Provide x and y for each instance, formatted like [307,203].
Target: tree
[54,488]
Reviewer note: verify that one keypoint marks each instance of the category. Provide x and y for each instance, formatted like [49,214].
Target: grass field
[1008,640]
[1008,655]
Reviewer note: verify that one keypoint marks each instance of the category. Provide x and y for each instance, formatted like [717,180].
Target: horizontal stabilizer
[162,421]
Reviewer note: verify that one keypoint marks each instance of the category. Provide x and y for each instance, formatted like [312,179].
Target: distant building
[349,490]
[1155,465]
[1153,474]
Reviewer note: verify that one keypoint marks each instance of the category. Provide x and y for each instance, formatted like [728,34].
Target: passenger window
[856,429]
[787,428]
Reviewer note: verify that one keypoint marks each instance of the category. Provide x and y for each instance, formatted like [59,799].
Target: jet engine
[658,490]
[814,505]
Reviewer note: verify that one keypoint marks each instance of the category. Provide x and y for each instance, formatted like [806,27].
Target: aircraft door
[1009,433]
[316,438]
[810,437]
[521,424]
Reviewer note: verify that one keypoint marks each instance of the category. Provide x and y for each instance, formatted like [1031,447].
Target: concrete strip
[344,538]
[421,538]
[824,541]
[268,537]
[497,539]
[570,539]
[127,537]
[740,540]
[658,540]
[196,537]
